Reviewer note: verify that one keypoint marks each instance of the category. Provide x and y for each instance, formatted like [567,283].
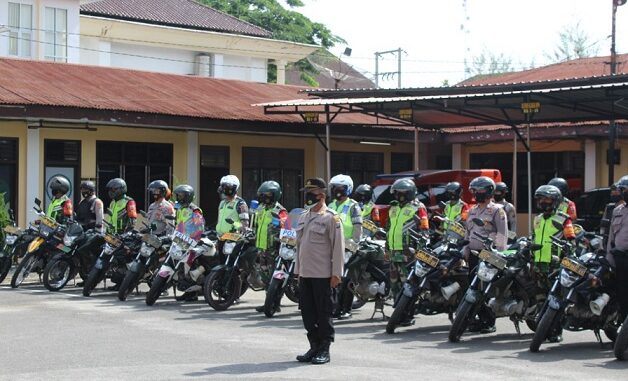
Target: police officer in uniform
[364,196]
[501,190]
[60,207]
[566,205]
[89,212]
[319,265]
[160,208]
[348,209]
[231,207]
[455,208]
[618,247]
[489,220]
[605,223]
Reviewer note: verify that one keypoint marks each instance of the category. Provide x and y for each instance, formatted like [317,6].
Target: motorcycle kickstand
[598,337]
[379,307]
[517,328]
[105,283]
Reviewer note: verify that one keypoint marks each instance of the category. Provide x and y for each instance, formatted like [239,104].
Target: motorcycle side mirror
[171,218]
[535,247]
[478,222]
[557,224]
[37,202]
[229,221]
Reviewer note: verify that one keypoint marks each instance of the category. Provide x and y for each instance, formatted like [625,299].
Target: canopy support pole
[513,191]
[529,181]
[416,148]
[328,147]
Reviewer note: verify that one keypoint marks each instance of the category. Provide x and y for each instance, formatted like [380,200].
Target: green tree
[488,63]
[573,43]
[284,24]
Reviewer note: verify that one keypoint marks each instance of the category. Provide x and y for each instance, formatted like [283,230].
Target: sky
[437,35]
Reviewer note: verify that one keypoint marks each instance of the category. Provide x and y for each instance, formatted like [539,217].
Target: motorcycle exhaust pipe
[450,290]
[598,304]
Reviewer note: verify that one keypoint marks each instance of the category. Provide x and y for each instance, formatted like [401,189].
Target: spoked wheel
[220,291]
[23,269]
[57,274]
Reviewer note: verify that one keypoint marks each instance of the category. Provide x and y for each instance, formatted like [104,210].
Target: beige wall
[18,130]
[602,168]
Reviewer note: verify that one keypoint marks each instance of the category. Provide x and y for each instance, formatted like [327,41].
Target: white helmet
[342,180]
[229,185]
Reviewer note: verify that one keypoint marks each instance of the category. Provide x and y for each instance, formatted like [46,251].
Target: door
[214,165]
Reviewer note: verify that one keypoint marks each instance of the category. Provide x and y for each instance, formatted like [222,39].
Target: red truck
[430,186]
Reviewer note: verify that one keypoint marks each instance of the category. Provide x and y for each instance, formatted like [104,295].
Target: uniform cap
[314,183]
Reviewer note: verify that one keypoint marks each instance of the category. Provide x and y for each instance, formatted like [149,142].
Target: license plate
[426,258]
[493,259]
[12,230]
[369,225]
[288,236]
[52,224]
[63,248]
[574,266]
[230,237]
[113,241]
[456,228]
[183,240]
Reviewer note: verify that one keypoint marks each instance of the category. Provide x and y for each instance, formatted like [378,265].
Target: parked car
[590,207]
[430,186]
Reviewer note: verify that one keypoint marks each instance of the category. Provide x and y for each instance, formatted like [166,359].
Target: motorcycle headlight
[486,273]
[347,255]
[146,250]
[68,240]
[228,248]
[176,252]
[287,253]
[10,239]
[420,270]
[567,278]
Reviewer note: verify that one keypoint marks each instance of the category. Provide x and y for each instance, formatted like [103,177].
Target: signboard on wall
[67,172]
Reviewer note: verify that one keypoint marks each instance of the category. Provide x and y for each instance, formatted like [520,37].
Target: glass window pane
[25,45]
[61,20]
[14,15]
[26,16]
[49,19]
[13,43]
[214,157]
[108,152]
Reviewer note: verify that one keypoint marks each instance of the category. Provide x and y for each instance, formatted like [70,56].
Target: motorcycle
[112,263]
[365,277]
[49,235]
[13,246]
[506,282]
[580,297]
[228,281]
[189,255]
[621,343]
[437,283]
[147,260]
[67,263]
[283,278]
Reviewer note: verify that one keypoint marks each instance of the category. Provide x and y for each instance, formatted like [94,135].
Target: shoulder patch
[337,218]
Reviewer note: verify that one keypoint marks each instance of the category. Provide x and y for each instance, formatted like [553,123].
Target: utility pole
[390,73]
[612,128]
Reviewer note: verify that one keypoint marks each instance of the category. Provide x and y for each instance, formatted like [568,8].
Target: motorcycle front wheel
[399,313]
[23,269]
[621,343]
[130,281]
[58,273]
[543,329]
[95,276]
[272,296]
[221,292]
[292,289]
[5,266]
[463,316]
[157,287]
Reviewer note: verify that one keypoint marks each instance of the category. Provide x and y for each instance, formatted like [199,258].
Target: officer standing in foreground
[501,190]
[489,220]
[319,265]
[618,247]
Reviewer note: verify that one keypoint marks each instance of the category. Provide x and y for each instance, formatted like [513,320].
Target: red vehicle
[430,186]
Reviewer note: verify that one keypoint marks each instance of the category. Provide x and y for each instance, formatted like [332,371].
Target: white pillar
[218,68]
[416,148]
[456,156]
[194,162]
[104,53]
[281,71]
[33,175]
[590,164]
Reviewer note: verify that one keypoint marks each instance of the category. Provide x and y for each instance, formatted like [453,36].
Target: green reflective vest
[344,212]
[398,218]
[227,209]
[56,206]
[119,218]
[367,209]
[263,220]
[543,230]
[184,214]
[453,211]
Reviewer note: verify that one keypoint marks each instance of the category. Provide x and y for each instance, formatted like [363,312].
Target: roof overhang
[189,39]
[586,99]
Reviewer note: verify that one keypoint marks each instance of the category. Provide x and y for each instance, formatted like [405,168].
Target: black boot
[310,354]
[322,357]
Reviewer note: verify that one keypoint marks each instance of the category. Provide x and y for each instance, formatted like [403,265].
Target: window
[361,166]
[137,163]
[282,165]
[8,171]
[20,29]
[401,162]
[56,34]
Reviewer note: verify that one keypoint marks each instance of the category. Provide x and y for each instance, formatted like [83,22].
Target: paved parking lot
[65,336]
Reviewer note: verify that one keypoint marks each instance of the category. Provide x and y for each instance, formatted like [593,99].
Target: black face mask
[481,197]
[401,197]
[616,197]
[453,196]
[545,207]
[86,194]
[267,200]
[311,199]
[498,197]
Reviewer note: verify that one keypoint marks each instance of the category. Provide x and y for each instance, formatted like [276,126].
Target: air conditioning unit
[203,65]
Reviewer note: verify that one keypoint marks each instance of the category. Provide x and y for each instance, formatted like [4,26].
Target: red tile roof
[180,13]
[579,68]
[24,82]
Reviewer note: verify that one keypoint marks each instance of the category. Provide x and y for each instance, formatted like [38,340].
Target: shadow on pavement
[247,368]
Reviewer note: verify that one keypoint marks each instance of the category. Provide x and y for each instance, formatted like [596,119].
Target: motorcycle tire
[543,329]
[621,342]
[23,269]
[130,281]
[398,313]
[95,276]
[611,333]
[51,281]
[292,290]
[157,287]
[461,321]
[274,288]
[218,298]
[5,266]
